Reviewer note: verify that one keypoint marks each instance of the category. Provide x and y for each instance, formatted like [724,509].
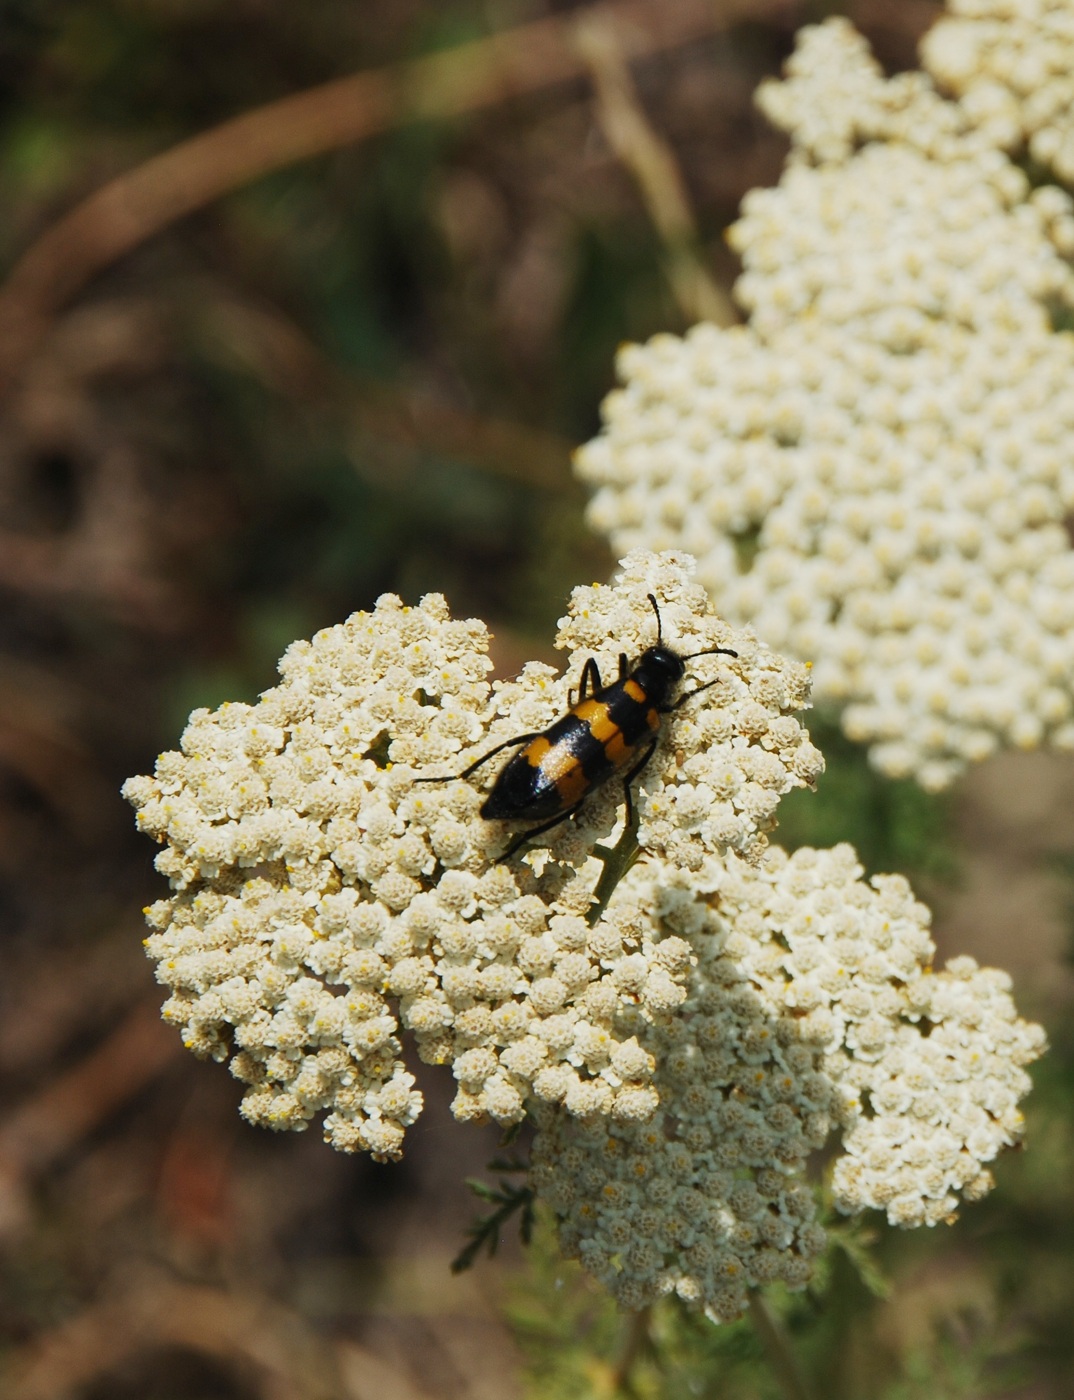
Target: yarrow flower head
[938,1100]
[876,469]
[682,1041]
[811,1011]
[324,903]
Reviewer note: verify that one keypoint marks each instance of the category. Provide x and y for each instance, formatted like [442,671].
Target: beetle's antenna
[659,629]
[710,651]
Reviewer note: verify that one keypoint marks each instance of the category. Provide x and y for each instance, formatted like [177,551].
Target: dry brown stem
[136,205]
[259,1338]
[652,163]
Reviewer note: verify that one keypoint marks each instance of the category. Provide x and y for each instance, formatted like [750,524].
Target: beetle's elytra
[610,728]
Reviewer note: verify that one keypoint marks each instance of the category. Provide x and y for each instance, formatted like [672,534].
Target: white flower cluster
[682,1056]
[875,470]
[323,902]
[812,1006]
[934,1108]
[1011,64]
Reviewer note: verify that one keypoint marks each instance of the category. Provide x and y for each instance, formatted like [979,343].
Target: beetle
[609,728]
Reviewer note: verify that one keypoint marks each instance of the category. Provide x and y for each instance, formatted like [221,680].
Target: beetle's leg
[629,778]
[670,709]
[507,743]
[588,685]
[539,830]
[624,666]
[452,777]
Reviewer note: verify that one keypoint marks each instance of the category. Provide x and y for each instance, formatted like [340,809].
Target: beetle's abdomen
[554,772]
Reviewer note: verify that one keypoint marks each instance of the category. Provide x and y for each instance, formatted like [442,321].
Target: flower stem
[636,1338]
[617,861]
[778,1349]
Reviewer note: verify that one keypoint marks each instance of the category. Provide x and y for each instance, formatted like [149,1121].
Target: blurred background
[343,344]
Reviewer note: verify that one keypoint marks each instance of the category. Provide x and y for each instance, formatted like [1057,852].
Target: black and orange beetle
[608,728]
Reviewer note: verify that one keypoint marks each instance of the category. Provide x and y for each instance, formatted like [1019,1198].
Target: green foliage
[578,1346]
[855,1239]
[507,1200]
[895,826]
[855,1332]
[566,1326]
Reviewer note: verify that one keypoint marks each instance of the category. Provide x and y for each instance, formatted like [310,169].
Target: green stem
[778,1349]
[636,1338]
[617,861]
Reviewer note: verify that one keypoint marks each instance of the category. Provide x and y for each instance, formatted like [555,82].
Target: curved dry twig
[652,163]
[264,1340]
[140,203]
